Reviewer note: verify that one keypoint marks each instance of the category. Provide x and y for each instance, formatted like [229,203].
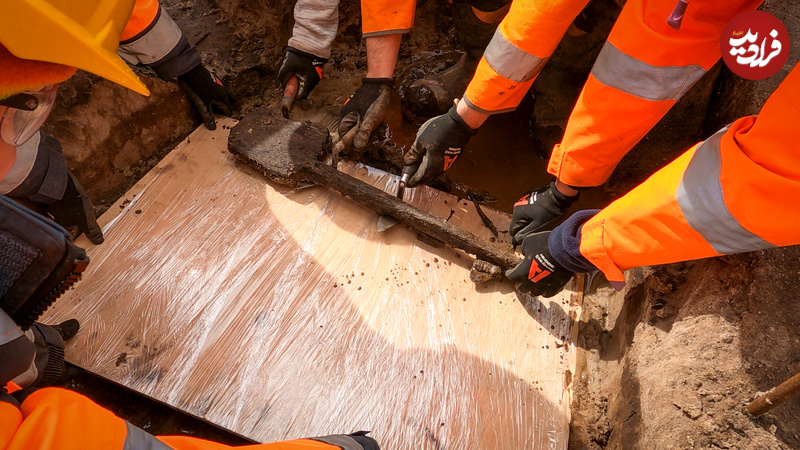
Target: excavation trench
[671,359]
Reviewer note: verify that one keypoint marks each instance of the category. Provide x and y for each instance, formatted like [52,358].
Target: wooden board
[281,314]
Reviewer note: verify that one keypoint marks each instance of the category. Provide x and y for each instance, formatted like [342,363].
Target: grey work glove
[306,67]
[437,146]
[364,111]
[208,93]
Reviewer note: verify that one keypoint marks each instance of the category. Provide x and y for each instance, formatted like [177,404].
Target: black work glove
[305,66]
[538,210]
[538,273]
[437,146]
[208,93]
[364,111]
[76,208]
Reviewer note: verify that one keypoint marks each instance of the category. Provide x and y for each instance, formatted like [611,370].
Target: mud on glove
[208,93]
[364,111]
[538,210]
[539,273]
[437,146]
[305,66]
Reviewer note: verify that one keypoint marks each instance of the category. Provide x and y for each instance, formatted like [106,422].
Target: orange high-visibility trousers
[736,192]
[54,418]
[643,70]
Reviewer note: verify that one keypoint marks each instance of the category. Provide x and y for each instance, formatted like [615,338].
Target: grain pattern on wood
[280,313]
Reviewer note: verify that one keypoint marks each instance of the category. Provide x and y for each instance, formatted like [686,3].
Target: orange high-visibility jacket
[149,35]
[54,418]
[736,192]
[380,17]
[643,70]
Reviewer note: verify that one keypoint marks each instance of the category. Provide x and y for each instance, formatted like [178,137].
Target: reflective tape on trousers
[154,44]
[138,439]
[511,61]
[702,202]
[619,70]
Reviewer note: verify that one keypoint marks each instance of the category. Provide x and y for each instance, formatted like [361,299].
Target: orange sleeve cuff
[593,249]
[379,17]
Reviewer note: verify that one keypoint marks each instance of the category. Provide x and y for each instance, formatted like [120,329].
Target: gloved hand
[437,146]
[538,210]
[76,208]
[364,111]
[208,93]
[539,273]
[305,66]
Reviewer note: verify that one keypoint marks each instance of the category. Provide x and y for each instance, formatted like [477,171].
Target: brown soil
[667,363]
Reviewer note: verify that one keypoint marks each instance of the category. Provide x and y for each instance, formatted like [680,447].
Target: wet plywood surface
[281,314]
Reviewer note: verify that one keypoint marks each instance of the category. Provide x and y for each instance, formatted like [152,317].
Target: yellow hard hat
[77,33]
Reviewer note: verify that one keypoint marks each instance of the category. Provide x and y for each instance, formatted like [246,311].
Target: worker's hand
[208,93]
[538,210]
[538,273]
[364,111]
[75,208]
[305,66]
[437,146]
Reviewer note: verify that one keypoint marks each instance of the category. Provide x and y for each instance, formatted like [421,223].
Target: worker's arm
[315,26]
[524,41]
[643,70]
[365,109]
[735,192]
[383,23]
[153,39]
[59,418]
[39,174]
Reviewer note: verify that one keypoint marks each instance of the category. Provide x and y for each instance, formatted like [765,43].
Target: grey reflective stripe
[154,44]
[344,441]
[628,74]
[702,202]
[511,61]
[138,439]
